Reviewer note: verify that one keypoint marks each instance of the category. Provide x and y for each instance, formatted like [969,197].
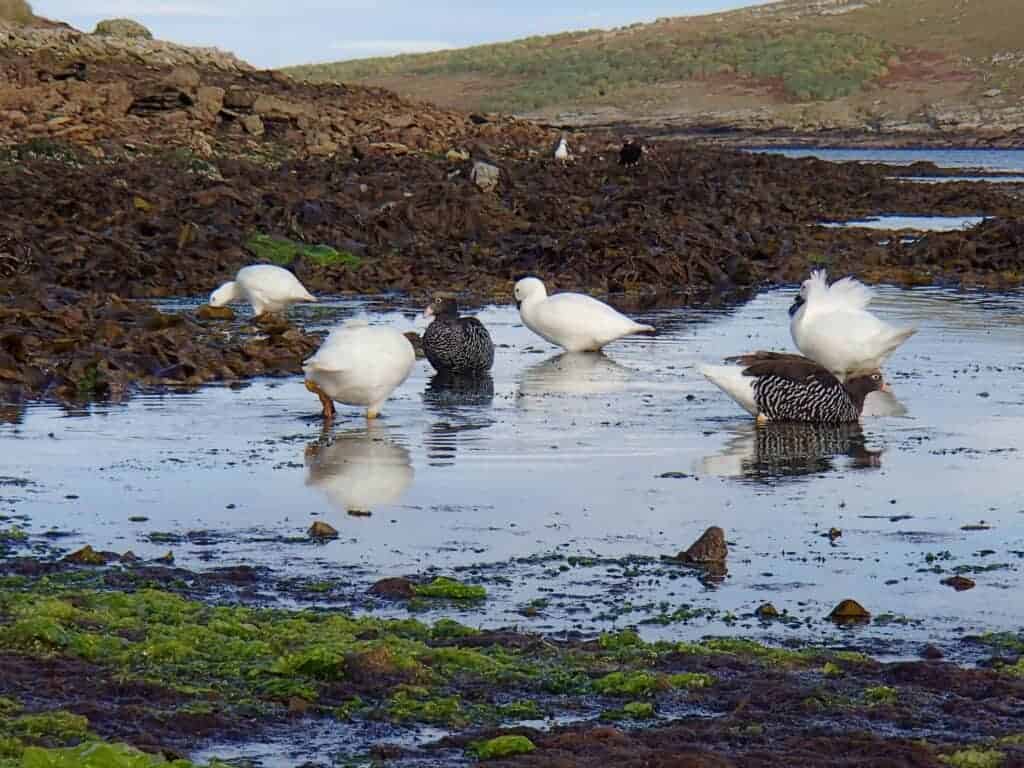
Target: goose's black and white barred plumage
[781,387]
[458,346]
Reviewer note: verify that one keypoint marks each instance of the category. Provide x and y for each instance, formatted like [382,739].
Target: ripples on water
[630,452]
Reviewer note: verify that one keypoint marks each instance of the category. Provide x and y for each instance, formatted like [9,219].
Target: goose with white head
[266,287]
[831,325]
[573,321]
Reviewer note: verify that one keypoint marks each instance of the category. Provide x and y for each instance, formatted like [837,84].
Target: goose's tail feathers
[730,379]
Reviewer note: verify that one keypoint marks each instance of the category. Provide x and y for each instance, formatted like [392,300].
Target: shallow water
[917,223]
[992,160]
[540,482]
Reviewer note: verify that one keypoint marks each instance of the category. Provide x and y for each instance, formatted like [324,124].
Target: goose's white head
[818,281]
[529,290]
[224,295]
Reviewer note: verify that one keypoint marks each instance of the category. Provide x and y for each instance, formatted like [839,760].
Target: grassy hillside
[786,53]
[15,10]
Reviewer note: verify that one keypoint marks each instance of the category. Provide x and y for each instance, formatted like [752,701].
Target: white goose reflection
[575,373]
[359,469]
[785,450]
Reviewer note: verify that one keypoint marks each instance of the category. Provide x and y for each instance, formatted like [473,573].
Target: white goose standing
[266,287]
[831,325]
[573,321]
[359,364]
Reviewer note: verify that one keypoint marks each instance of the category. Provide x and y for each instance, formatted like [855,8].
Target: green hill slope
[887,57]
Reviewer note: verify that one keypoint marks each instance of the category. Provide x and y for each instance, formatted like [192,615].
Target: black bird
[630,153]
[458,346]
[773,386]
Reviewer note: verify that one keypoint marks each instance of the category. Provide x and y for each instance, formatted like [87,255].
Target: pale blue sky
[271,33]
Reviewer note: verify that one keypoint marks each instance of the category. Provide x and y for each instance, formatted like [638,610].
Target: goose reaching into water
[831,325]
[266,287]
[780,387]
[457,346]
[359,364]
[573,321]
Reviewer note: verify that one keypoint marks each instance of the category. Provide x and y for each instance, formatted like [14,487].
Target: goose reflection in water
[780,450]
[463,403]
[360,469]
[575,373]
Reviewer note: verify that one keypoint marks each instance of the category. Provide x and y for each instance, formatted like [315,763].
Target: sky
[275,33]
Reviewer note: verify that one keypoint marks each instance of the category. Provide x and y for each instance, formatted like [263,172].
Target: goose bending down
[781,387]
[266,287]
[457,346]
[573,321]
[359,364]
[832,326]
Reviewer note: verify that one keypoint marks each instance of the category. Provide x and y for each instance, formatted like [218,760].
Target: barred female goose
[266,287]
[456,346]
[359,364]
[781,387]
[832,326]
[574,321]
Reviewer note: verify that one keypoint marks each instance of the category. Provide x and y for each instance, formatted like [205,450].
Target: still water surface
[631,454]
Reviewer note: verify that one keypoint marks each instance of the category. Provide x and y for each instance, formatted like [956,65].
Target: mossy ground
[204,671]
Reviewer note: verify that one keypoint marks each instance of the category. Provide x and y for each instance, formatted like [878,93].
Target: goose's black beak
[795,306]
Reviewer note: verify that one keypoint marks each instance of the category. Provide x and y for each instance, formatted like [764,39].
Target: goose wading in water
[573,321]
[773,386]
[359,364]
[266,287]
[831,325]
[457,346]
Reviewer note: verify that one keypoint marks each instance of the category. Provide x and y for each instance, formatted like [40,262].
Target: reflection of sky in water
[991,160]
[918,223]
[631,452]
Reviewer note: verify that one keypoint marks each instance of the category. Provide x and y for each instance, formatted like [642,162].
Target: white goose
[359,364]
[573,321]
[266,287]
[831,325]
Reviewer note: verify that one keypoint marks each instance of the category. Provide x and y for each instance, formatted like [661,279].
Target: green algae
[691,680]
[634,710]
[974,758]
[881,694]
[282,251]
[830,669]
[628,684]
[449,589]
[502,746]
[100,755]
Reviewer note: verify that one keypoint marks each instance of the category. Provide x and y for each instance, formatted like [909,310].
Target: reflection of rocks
[574,373]
[359,470]
[777,451]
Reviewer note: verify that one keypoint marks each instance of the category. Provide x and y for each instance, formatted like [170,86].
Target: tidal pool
[559,483]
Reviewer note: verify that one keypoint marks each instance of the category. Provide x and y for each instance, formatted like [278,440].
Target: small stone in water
[709,548]
[849,611]
[321,530]
[766,611]
[959,583]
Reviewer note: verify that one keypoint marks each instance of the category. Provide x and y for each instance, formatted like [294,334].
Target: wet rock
[377,667]
[394,588]
[206,312]
[166,559]
[322,531]
[297,706]
[709,548]
[834,533]
[766,611]
[849,611]
[932,653]
[123,28]
[485,176]
[959,583]
[456,156]
[89,556]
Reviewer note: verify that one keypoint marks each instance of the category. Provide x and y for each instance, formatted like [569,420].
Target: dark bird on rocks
[630,153]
